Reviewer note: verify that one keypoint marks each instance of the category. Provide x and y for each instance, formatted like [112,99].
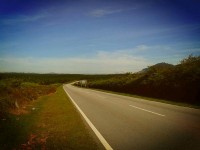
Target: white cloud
[100,12]
[102,62]
[23,19]
[104,12]
[118,61]
[142,47]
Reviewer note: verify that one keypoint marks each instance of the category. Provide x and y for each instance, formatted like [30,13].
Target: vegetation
[179,83]
[46,79]
[15,95]
[52,124]
[18,89]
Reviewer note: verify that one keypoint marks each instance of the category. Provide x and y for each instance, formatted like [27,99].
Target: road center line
[148,111]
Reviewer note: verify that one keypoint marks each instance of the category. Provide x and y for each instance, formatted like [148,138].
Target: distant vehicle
[82,83]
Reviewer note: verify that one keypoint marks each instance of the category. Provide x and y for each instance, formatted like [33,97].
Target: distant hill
[158,66]
[163,65]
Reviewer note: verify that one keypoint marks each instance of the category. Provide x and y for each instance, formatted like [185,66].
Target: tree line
[178,83]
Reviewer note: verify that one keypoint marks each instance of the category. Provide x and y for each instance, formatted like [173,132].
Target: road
[137,124]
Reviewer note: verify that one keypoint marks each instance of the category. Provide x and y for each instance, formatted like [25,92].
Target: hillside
[159,66]
[178,83]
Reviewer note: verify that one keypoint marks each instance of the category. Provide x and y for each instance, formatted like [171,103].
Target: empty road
[128,123]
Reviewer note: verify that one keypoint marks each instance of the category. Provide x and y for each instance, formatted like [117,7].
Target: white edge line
[147,111]
[98,134]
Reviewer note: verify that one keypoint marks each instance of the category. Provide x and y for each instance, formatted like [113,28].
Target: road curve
[137,124]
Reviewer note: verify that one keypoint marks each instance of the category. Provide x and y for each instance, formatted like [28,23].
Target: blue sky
[96,36]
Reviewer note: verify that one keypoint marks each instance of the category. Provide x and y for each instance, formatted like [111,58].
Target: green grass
[53,124]
[150,99]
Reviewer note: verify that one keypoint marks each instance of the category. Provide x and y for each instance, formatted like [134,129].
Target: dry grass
[16,95]
[60,126]
[52,123]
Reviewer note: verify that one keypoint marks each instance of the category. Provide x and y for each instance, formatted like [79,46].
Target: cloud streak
[104,12]
[102,62]
[23,19]
[101,12]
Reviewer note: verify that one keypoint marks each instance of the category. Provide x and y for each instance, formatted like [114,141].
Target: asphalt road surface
[128,123]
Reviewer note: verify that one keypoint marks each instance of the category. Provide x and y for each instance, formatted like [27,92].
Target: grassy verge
[15,95]
[150,99]
[52,123]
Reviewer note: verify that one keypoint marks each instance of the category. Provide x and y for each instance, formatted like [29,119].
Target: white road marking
[147,111]
[98,134]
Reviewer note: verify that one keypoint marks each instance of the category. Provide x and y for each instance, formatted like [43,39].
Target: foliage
[20,88]
[46,79]
[14,94]
[179,83]
[190,59]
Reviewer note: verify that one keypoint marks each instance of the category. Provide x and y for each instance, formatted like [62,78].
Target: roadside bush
[180,83]
[14,93]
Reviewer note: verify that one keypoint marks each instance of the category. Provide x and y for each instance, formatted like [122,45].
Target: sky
[96,36]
